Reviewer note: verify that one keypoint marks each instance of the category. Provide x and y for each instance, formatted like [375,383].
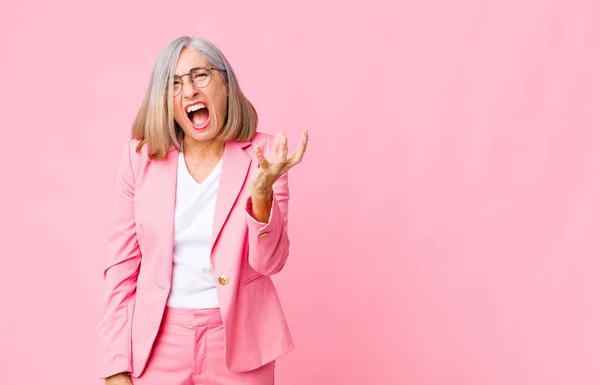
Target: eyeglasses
[200,77]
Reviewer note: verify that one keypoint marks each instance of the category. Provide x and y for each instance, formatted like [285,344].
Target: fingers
[298,153]
[275,147]
[262,161]
[283,150]
[279,152]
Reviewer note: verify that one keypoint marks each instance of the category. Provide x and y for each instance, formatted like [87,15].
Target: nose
[189,90]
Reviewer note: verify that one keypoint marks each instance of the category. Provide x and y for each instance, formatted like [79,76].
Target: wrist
[262,192]
[261,205]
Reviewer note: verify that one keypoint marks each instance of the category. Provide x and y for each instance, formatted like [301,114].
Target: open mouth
[198,115]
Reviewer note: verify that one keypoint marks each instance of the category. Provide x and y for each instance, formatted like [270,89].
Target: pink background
[444,221]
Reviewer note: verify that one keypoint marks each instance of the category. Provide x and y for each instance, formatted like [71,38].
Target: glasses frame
[180,77]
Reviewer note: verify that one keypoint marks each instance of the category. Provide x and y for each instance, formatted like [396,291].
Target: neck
[203,151]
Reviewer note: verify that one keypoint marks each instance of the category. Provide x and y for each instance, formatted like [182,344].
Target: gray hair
[155,125]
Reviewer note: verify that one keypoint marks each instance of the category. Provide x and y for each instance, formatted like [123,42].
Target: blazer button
[223,280]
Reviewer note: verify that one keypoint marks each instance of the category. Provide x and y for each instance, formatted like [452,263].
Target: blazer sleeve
[268,243]
[120,275]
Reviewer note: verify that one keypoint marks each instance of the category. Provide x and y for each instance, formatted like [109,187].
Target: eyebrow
[192,70]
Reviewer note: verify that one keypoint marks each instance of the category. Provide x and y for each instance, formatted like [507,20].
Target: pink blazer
[245,254]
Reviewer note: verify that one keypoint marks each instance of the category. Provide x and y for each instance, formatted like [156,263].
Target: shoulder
[132,146]
[261,139]
[137,154]
[132,157]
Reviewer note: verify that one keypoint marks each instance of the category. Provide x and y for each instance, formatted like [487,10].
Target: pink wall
[445,218]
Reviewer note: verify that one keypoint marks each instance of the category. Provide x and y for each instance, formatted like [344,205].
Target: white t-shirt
[193,285]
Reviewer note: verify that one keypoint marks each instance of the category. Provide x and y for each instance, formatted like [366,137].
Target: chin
[208,133]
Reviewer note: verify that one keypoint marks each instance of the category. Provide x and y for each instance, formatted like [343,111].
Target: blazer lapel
[164,195]
[234,170]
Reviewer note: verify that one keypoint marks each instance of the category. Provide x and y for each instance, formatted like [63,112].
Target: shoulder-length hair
[155,125]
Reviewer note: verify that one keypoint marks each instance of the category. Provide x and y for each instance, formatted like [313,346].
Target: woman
[200,225]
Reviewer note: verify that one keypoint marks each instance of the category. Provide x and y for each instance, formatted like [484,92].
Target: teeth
[195,107]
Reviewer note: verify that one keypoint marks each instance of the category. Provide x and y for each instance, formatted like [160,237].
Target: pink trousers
[190,350]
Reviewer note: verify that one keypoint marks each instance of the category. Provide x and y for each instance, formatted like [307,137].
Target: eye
[200,75]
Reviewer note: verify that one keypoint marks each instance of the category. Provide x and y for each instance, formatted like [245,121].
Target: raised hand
[279,162]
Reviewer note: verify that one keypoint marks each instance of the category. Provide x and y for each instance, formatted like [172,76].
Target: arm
[267,207]
[120,276]
[267,217]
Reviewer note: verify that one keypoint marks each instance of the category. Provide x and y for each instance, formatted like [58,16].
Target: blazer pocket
[254,279]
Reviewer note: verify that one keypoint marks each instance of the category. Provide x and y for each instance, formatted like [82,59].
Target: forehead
[188,59]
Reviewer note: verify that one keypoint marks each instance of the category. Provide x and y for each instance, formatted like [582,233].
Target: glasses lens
[201,78]
[176,87]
